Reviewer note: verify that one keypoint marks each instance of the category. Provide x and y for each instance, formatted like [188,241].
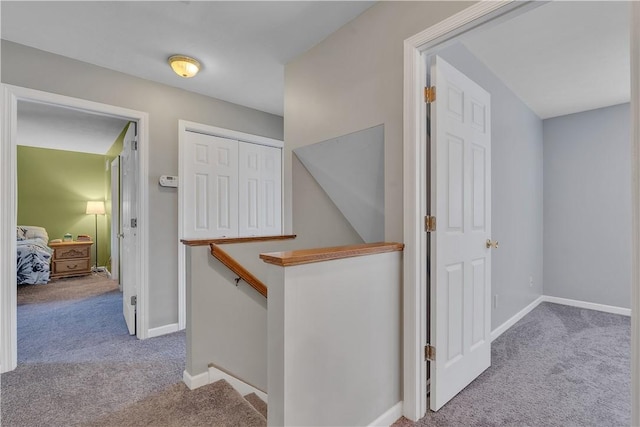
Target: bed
[33,255]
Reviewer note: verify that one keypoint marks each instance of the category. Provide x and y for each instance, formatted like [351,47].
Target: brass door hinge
[429,353]
[429,223]
[429,94]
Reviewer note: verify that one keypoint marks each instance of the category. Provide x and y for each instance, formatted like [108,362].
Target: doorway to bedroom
[68,227]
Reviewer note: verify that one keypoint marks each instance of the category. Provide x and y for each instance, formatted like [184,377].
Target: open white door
[129,241]
[460,276]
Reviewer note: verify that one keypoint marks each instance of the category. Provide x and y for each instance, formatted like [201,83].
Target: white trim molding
[8,168]
[635,209]
[515,318]
[588,305]
[556,300]
[243,388]
[193,382]
[389,417]
[163,330]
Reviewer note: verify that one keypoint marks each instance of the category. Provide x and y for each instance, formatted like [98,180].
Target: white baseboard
[195,381]
[389,417]
[243,388]
[163,330]
[513,320]
[589,305]
[557,300]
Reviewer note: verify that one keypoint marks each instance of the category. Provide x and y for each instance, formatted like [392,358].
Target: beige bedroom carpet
[216,404]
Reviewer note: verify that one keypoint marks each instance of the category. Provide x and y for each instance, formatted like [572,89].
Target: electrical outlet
[531,281]
[495,301]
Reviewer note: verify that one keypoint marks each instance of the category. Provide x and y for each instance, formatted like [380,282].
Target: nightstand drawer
[74,252]
[71,266]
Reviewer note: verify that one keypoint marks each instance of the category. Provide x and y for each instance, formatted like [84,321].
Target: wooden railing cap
[307,256]
[223,240]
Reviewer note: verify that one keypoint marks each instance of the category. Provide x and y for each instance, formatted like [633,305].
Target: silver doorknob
[492,244]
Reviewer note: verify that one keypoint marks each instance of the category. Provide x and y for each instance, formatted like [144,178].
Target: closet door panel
[211,186]
[260,192]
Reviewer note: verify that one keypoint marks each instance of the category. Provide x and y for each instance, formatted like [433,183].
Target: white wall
[587,206]
[32,68]
[516,187]
[335,341]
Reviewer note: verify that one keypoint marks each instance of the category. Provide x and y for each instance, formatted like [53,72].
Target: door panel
[210,187]
[460,274]
[260,197]
[129,171]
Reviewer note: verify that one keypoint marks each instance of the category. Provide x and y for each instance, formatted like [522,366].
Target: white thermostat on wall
[169,181]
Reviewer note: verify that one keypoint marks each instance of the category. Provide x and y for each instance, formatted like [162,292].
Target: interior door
[460,273]
[129,243]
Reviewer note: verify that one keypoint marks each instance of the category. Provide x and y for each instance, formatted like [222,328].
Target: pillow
[34,232]
[21,233]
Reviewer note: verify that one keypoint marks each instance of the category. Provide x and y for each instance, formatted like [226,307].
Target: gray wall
[516,187]
[587,206]
[227,323]
[350,81]
[353,80]
[32,68]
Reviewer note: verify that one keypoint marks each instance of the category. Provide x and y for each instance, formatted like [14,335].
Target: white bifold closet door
[210,186]
[260,193]
[231,188]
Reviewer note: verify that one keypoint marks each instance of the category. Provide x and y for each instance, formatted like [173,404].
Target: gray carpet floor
[558,366]
[77,365]
[76,361]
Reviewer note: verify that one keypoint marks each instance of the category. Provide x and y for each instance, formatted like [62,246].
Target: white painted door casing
[460,261]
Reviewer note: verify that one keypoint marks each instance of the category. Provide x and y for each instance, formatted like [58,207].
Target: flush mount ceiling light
[184,66]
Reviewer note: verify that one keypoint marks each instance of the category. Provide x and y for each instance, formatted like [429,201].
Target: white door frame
[414,147]
[185,126]
[8,209]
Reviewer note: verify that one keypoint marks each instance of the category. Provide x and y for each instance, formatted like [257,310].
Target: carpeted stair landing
[216,404]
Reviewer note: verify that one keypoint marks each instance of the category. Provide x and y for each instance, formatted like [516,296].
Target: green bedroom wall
[53,189]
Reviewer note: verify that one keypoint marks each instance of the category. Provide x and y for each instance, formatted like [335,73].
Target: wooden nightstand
[70,259]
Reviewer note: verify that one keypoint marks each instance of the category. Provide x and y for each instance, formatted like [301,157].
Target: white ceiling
[46,126]
[562,57]
[559,58]
[242,46]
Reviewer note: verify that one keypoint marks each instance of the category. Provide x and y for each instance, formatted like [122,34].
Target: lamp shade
[95,208]
[184,66]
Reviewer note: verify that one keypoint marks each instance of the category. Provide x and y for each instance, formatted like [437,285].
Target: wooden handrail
[235,266]
[221,240]
[307,256]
